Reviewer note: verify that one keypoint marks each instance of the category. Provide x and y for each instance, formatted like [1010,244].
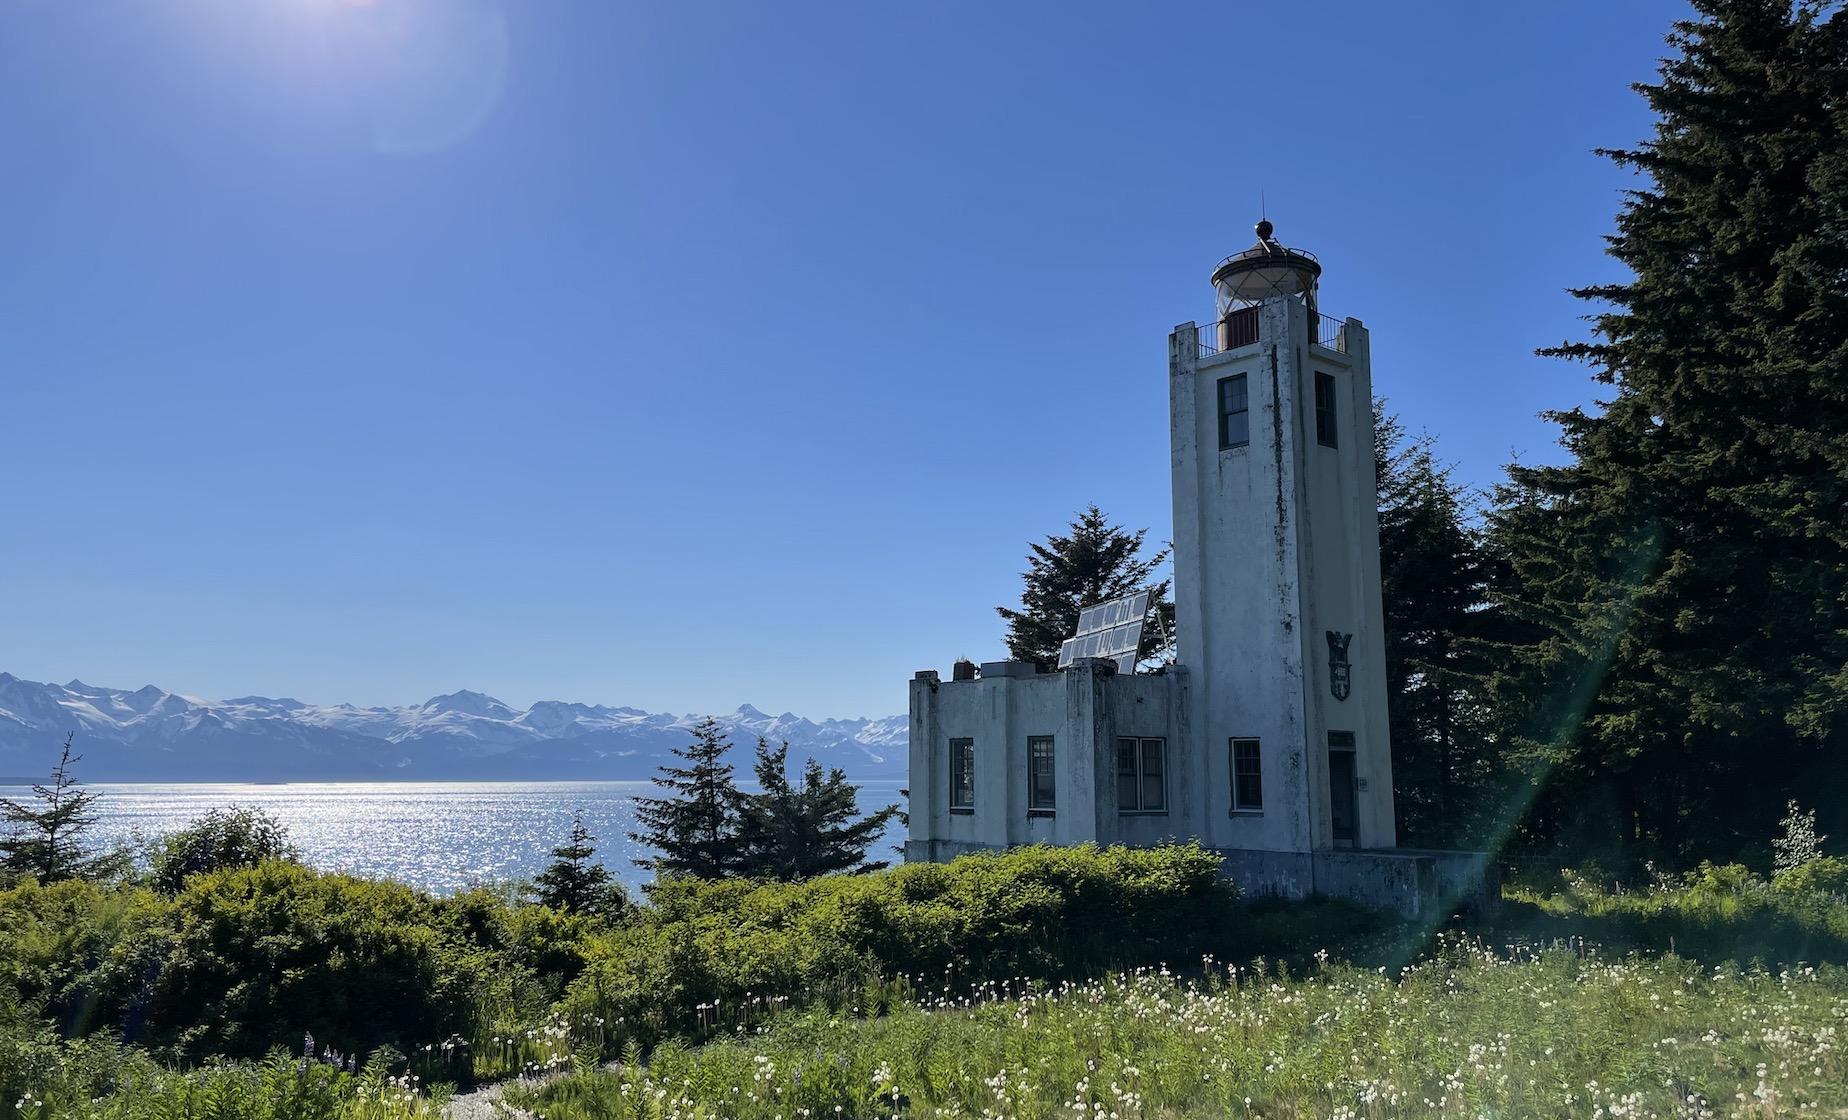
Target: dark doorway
[1341,797]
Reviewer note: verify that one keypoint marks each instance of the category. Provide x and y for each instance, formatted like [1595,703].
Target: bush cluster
[246,959]
[719,953]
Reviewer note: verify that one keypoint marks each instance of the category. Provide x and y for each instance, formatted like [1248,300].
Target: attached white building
[1267,739]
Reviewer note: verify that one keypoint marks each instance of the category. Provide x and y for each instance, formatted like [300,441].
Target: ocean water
[441,836]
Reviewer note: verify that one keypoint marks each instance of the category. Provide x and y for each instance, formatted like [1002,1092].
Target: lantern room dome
[1264,270]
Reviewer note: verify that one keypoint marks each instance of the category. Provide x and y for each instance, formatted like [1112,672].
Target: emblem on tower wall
[1340,674]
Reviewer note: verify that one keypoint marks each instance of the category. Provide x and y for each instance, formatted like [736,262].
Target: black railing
[1240,328]
[1328,331]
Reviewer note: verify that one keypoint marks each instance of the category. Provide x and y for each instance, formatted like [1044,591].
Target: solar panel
[1109,629]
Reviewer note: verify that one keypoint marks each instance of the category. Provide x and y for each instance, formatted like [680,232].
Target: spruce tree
[1432,587]
[1682,581]
[45,841]
[576,882]
[789,832]
[693,830]
[1094,562]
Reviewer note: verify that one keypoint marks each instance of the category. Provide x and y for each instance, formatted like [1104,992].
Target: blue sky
[682,355]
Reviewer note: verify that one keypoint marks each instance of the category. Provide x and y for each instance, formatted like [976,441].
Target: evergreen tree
[576,882]
[693,830]
[789,832]
[1095,562]
[1432,587]
[45,841]
[1682,582]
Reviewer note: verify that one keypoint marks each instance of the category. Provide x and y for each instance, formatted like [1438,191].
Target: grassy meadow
[1036,982]
[1464,1033]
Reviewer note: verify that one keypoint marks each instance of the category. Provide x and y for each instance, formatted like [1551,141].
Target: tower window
[1041,797]
[1142,775]
[1247,777]
[962,774]
[1325,410]
[1234,412]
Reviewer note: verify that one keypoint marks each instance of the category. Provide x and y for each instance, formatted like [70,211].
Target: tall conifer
[694,829]
[45,841]
[1684,578]
[1445,775]
[1094,562]
[791,831]
[576,881]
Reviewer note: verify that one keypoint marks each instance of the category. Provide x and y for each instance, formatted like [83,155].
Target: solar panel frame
[1110,629]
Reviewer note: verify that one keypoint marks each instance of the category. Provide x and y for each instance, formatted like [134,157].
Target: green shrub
[56,942]
[1717,912]
[1827,875]
[723,953]
[36,1065]
[249,958]
[222,838]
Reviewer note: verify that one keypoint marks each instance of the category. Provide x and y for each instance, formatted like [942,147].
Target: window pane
[1234,418]
[1325,409]
[1039,764]
[1247,775]
[1238,428]
[962,773]
[1152,793]
[1232,394]
[1126,774]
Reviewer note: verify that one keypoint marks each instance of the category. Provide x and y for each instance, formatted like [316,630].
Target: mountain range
[150,734]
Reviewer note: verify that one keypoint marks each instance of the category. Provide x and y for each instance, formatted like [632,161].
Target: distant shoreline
[14,780]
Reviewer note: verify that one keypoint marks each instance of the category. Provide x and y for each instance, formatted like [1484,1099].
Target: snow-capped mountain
[150,733]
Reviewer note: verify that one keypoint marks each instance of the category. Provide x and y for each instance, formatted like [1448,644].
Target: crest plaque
[1340,674]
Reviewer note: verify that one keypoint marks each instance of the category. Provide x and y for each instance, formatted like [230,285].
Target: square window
[1247,776]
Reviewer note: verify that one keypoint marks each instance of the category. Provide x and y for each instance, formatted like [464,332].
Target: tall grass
[1467,1033]
[279,1088]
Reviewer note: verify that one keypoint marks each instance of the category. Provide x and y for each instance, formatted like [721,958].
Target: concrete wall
[1339,562]
[1236,600]
[1277,542]
[1416,883]
[1083,709]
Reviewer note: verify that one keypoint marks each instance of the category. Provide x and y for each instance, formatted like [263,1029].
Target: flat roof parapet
[1010,669]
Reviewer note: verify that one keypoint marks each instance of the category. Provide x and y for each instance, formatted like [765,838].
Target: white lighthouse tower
[1267,739]
[1276,552]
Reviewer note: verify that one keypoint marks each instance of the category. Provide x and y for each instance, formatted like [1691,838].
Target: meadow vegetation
[119,999]
[101,982]
[1465,1033]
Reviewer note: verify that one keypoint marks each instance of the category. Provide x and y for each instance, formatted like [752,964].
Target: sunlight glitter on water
[442,836]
